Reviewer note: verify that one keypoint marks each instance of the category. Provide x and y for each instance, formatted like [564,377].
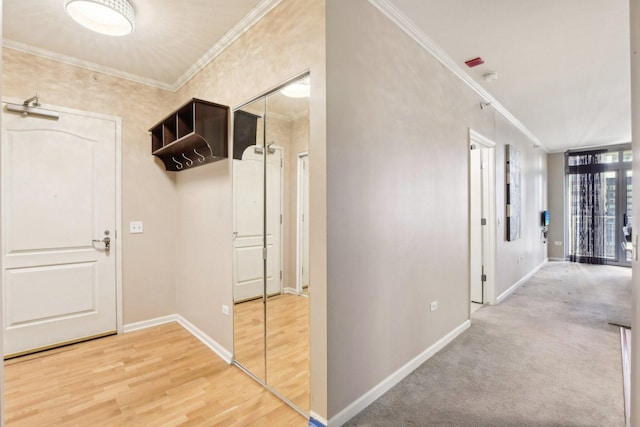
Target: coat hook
[201,158]
[178,164]
[188,160]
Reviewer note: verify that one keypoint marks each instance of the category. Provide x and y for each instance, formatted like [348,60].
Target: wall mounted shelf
[193,135]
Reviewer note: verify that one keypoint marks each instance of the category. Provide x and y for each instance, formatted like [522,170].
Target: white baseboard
[520,282]
[317,418]
[290,290]
[225,354]
[130,327]
[369,397]
[204,338]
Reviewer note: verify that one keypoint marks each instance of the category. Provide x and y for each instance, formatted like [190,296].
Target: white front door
[248,208]
[59,194]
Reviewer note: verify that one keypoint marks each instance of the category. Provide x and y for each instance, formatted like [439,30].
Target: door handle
[106,240]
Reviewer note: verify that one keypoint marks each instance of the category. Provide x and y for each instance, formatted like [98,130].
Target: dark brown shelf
[193,135]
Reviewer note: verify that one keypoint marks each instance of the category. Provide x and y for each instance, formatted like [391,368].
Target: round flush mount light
[109,17]
[297,89]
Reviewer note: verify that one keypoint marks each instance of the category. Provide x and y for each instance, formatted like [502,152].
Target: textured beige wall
[556,189]
[1,284]
[287,42]
[397,199]
[148,192]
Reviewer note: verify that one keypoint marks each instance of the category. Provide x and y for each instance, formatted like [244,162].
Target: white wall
[397,199]
[635,118]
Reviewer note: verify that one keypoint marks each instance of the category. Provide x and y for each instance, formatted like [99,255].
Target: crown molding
[412,30]
[70,60]
[255,15]
[231,36]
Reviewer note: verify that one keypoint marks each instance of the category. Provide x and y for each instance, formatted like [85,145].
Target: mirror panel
[271,198]
[248,238]
[287,308]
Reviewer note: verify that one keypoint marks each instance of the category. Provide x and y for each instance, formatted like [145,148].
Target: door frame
[489,245]
[299,205]
[118,196]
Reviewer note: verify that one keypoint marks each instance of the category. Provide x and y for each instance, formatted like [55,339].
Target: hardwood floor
[287,344]
[161,376]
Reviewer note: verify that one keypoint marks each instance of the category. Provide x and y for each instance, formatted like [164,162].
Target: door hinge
[280,218]
[281,162]
[483,221]
[280,274]
[264,254]
[483,278]
[473,146]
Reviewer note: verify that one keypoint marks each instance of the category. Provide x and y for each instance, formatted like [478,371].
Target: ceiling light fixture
[298,89]
[109,17]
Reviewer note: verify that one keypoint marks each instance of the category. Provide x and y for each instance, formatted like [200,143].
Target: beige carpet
[546,356]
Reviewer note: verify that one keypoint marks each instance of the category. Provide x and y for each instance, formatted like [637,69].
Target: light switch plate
[135,227]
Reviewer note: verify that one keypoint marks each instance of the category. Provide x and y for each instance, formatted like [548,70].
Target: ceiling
[171,40]
[563,66]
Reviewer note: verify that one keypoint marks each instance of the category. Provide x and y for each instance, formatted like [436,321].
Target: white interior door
[475,226]
[248,208]
[303,222]
[59,194]
[482,217]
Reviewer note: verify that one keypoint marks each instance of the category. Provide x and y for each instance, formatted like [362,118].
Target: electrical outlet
[557,243]
[434,305]
[135,227]
[225,310]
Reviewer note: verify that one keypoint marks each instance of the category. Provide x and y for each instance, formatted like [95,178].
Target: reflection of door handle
[106,240]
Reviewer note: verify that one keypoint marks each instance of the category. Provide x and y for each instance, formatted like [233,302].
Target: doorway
[60,214]
[482,221]
[302,251]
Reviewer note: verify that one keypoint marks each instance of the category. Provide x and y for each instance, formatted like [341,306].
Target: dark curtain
[587,215]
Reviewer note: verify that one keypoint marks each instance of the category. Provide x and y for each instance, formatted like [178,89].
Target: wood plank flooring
[161,376]
[287,344]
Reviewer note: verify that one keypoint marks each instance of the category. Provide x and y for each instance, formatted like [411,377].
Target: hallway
[545,356]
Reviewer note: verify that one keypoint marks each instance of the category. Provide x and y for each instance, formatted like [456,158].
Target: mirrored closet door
[271,238]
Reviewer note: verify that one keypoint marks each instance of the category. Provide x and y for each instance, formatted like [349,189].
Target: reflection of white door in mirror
[248,223]
[303,223]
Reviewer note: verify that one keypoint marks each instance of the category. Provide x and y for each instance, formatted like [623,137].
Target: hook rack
[189,132]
